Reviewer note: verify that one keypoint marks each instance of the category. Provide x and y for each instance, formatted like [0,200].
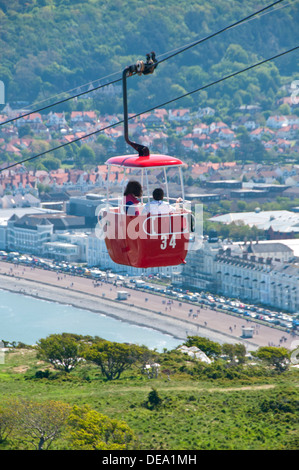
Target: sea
[27,319]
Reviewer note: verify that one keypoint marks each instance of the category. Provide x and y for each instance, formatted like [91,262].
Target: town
[48,207]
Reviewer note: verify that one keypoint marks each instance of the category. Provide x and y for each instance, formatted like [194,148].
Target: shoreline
[175,318]
[75,299]
[119,310]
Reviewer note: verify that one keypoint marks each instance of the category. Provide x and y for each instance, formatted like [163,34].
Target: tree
[40,423]
[25,131]
[229,350]
[210,348]
[90,430]
[154,401]
[114,358]
[51,163]
[249,149]
[234,351]
[62,351]
[86,155]
[240,352]
[6,422]
[273,356]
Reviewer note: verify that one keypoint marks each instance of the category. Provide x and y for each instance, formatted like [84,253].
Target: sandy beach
[144,309]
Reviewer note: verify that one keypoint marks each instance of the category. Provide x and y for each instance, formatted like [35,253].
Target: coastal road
[195,318]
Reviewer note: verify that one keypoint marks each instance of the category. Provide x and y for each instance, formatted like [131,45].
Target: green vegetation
[233,403]
[49,46]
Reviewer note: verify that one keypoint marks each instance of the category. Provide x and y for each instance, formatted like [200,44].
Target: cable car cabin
[147,234]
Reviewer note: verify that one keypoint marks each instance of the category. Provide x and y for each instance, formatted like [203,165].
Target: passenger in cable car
[132,194]
[158,205]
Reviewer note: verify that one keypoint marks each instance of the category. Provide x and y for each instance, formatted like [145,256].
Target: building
[284,287]
[70,247]
[19,212]
[264,272]
[199,271]
[85,206]
[29,232]
[279,222]
[231,184]
[61,251]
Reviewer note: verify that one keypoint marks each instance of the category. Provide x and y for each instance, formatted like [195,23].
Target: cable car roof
[135,161]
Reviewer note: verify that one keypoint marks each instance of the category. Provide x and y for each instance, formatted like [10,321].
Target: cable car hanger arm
[139,68]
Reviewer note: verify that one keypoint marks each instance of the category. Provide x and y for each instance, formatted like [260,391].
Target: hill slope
[49,46]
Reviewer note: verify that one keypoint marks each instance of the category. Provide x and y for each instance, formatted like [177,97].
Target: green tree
[50,163]
[6,422]
[234,351]
[249,149]
[61,350]
[114,358]
[90,430]
[210,348]
[40,423]
[240,352]
[242,205]
[229,350]
[86,155]
[25,131]
[153,401]
[273,356]
[236,53]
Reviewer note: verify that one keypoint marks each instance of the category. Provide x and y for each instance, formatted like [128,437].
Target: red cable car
[154,234]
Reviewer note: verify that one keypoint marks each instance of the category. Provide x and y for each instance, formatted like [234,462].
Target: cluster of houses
[205,182]
[278,133]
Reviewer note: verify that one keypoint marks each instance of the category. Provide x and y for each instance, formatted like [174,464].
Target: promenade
[177,318]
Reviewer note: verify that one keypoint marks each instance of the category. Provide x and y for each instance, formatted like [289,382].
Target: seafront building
[260,272]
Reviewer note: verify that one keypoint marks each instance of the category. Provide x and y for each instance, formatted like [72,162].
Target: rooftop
[281,221]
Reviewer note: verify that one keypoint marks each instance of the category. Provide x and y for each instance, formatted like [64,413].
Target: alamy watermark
[2,92]
[295,87]
[295,352]
[2,353]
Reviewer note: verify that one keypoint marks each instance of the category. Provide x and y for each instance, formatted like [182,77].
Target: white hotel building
[264,272]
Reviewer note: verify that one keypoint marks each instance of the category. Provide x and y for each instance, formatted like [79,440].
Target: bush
[153,401]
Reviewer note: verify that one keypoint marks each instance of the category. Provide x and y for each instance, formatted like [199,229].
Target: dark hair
[133,187]
[158,194]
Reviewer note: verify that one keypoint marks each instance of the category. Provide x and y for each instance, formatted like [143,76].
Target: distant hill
[50,46]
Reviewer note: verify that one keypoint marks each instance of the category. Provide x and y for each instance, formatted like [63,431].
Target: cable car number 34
[164,239]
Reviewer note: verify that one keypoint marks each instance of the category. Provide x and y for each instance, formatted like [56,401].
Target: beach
[178,319]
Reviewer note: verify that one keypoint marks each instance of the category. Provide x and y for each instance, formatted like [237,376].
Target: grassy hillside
[50,46]
[222,408]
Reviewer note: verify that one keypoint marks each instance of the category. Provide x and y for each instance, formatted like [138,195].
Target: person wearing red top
[132,192]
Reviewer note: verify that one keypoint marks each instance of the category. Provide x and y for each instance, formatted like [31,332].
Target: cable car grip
[139,68]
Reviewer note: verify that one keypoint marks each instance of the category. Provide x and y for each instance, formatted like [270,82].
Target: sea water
[28,319]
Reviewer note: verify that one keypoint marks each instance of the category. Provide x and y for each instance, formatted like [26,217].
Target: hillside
[50,46]
[189,405]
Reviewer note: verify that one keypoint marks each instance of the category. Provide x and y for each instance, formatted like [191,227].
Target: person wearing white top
[158,206]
